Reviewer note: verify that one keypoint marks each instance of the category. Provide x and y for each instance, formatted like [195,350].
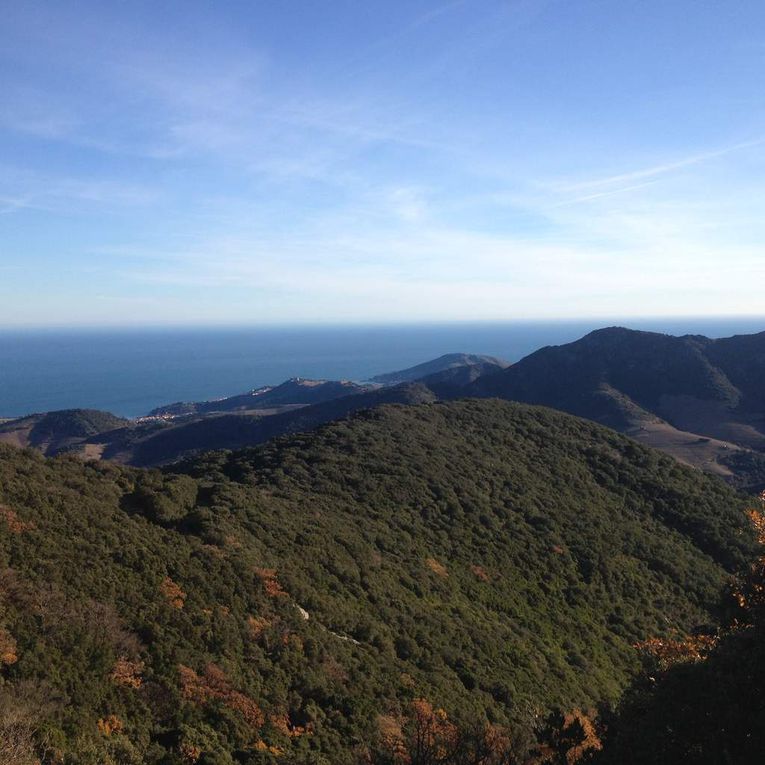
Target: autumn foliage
[258,625]
[568,739]
[110,725]
[437,567]
[425,735]
[213,685]
[270,582]
[14,524]
[172,591]
[127,672]
[664,653]
[8,650]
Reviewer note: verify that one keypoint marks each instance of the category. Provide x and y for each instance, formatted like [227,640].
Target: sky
[347,161]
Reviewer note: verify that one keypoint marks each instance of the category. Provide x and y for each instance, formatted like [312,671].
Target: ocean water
[129,372]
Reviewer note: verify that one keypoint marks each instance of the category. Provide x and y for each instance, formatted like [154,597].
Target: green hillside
[51,432]
[274,605]
[701,702]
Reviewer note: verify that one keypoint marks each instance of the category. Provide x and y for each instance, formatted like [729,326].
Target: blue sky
[349,161]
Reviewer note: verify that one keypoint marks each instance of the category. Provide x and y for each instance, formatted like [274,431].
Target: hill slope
[52,432]
[446,363]
[294,392]
[162,446]
[694,397]
[488,556]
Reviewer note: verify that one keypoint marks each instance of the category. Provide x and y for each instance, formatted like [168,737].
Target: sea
[131,371]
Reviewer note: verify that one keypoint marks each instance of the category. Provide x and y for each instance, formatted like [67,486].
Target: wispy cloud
[439,163]
[59,193]
[655,171]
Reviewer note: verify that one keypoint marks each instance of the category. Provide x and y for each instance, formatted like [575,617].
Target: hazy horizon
[648,323]
[130,371]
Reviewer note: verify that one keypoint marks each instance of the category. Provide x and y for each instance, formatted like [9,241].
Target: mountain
[200,425]
[296,391]
[165,445]
[696,398]
[462,363]
[52,432]
[289,603]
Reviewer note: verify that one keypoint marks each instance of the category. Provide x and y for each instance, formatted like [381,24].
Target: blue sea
[129,372]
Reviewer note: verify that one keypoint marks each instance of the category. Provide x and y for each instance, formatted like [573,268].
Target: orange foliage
[437,568]
[258,625]
[270,582]
[432,729]
[13,522]
[174,594]
[8,650]
[424,735]
[666,652]
[247,708]
[749,592]
[189,752]
[571,739]
[283,725]
[757,518]
[262,746]
[127,672]
[480,573]
[213,685]
[292,640]
[391,734]
[589,741]
[111,724]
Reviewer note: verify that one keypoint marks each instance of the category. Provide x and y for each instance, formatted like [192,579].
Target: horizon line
[391,323]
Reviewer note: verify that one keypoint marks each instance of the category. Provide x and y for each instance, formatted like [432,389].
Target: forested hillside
[290,603]
[701,700]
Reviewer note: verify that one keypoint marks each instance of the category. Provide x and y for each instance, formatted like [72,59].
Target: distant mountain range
[171,432]
[293,392]
[698,399]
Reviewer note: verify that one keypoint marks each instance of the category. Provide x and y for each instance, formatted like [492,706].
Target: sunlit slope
[489,556]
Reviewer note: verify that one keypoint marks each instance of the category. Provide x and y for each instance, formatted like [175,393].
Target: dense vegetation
[646,368]
[292,602]
[702,699]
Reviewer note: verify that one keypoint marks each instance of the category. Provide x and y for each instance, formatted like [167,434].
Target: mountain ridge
[696,398]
